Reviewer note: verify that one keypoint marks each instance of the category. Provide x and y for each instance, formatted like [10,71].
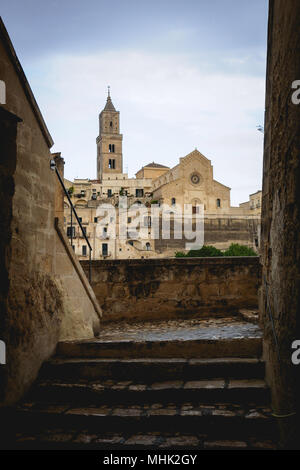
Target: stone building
[254,203]
[190,182]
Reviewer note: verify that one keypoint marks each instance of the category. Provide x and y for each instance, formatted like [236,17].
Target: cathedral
[190,182]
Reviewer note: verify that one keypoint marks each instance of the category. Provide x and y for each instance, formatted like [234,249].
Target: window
[195,210]
[112,163]
[104,249]
[95,220]
[148,246]
[109,193]
[80,219]
[110,124]
[70,232]
[83,250]
[173,201]
[139,193]
[111,148]
[129,220]
[84,230]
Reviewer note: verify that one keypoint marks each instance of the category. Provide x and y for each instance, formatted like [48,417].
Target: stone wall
[220,232]
[281,216]
[81,311]
[169,288]
[33,297]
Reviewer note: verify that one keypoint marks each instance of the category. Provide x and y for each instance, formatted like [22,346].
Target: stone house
[190,182]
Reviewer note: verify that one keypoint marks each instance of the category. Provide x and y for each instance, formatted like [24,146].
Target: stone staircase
[172,393]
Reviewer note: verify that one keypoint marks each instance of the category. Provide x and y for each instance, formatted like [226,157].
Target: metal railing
[73,210]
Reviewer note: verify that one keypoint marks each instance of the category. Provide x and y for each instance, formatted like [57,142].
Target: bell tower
[109,141]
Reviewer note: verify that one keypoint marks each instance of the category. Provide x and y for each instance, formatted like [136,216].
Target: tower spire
[109,105]
[109,140]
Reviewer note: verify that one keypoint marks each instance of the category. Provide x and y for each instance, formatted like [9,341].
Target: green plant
[239,250]
[205,251]
[154,201]
[71,190]
[210,251]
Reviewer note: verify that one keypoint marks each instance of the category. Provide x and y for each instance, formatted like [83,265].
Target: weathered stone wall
[281,215]
[220,232]
[33,299]
[81,311]
[168,288]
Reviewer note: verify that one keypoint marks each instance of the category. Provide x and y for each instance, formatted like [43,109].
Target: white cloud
[169,105]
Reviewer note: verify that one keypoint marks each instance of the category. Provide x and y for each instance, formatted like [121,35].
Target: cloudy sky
[183,74]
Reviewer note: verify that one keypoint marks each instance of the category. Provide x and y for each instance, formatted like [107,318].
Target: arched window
[148,246]
[173,201]
[218,202]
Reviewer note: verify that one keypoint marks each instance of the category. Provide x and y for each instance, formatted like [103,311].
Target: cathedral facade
[189,183]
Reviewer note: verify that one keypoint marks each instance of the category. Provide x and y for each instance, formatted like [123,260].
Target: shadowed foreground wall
[166,288]
[36,304]
[281,216]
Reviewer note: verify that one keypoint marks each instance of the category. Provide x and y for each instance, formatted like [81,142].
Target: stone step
[179,348]
[83,440]
[215,422]
[146,370]
[130,393]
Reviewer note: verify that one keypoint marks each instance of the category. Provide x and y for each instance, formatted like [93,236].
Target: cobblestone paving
[191,329]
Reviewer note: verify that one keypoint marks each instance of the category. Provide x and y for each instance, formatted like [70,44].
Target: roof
[155,165]
[257,192]
[109,105]
[24,82]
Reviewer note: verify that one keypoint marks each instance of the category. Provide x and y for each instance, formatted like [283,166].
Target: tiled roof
[155,165]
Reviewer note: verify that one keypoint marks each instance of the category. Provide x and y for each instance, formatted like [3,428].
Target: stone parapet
[174,287]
